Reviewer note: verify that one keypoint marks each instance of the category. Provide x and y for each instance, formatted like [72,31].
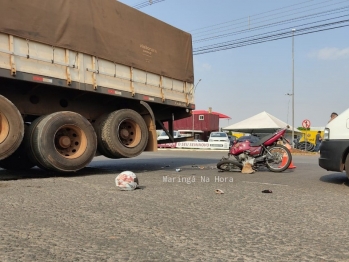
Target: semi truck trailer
[86,78]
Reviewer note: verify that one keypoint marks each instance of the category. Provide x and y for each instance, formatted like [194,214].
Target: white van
[334,149]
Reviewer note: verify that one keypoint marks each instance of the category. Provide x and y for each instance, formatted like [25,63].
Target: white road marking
[263,183]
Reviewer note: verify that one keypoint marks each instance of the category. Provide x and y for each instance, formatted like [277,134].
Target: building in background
[200,124]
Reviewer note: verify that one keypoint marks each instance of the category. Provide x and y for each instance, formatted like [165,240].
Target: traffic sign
[306,123]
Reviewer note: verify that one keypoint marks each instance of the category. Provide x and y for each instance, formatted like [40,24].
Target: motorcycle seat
[262,140]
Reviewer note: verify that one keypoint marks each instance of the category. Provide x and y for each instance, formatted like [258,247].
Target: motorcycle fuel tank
[241,147]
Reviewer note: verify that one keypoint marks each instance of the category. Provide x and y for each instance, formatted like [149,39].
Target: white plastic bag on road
[126,180]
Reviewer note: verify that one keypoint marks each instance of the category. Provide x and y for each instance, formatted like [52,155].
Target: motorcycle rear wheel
[229,165]
[280,158]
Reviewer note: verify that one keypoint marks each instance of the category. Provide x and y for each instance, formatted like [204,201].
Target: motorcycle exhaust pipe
[260,159]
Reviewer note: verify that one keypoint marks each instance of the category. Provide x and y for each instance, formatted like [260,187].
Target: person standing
[333,116]
[318,141]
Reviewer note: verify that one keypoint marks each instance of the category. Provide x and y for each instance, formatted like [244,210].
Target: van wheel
[63,141]
[11,128]
[123,134]
[20,159]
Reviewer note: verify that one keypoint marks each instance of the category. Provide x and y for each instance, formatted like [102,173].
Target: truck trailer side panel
[45,62]
[105,29]
[79,78]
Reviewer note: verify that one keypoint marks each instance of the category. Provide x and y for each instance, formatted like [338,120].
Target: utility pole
[293,30]
[194,88]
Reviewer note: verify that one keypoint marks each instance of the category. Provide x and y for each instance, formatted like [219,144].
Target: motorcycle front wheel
[229,165]
[278,158]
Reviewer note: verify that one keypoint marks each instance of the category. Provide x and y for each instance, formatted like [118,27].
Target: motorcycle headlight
[327,134]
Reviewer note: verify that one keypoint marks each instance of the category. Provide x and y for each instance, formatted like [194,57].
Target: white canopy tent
[260,123]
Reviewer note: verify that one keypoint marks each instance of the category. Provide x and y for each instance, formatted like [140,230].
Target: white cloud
[328,53]
[206,66]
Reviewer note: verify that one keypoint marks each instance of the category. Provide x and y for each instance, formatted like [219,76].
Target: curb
[195,149]
[225,150]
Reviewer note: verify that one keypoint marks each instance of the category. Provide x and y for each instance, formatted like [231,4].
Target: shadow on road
[335,178]
[112,166]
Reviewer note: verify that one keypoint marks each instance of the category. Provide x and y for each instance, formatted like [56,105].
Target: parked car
[164,136]
[218,137]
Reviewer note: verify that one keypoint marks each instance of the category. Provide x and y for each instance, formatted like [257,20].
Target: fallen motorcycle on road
[253,153]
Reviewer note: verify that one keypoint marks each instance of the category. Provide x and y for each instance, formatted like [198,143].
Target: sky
[241,82]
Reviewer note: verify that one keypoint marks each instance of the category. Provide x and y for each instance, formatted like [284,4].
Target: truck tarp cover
[106,29]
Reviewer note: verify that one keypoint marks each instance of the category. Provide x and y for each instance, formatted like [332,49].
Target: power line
[256,15]
[274,31]
[244,18]
[296,18]
[325,13]
[274,37]
[266,38]
[146,3]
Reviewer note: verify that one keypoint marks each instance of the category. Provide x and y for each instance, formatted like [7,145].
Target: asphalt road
[175,216]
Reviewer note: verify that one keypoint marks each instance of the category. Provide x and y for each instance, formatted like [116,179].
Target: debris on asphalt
[178,170]
[201,167]
[126,181]
[220,170]
[194,166]
[247,167]
[219,191]
[267,191]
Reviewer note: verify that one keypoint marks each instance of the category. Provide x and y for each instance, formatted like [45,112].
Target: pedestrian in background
[318,141]
[333,116]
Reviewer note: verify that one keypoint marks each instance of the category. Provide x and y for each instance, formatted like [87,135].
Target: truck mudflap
[333,154]
[150,122]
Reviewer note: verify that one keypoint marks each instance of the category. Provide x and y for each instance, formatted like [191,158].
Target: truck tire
[123,134]
[11,128]
[28,138]
[346,165]
[100,148]
[63,141]
[20,159]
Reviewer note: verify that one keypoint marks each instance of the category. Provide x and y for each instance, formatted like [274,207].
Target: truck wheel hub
[129,133]
[64,141]
[124,133]
[70,141]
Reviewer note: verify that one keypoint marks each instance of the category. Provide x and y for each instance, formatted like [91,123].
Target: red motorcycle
[265,152]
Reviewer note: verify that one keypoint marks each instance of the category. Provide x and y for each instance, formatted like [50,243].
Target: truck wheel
[20,159]
[123,134]
[63,141]
[346,165]
[97,124]
[11,128]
